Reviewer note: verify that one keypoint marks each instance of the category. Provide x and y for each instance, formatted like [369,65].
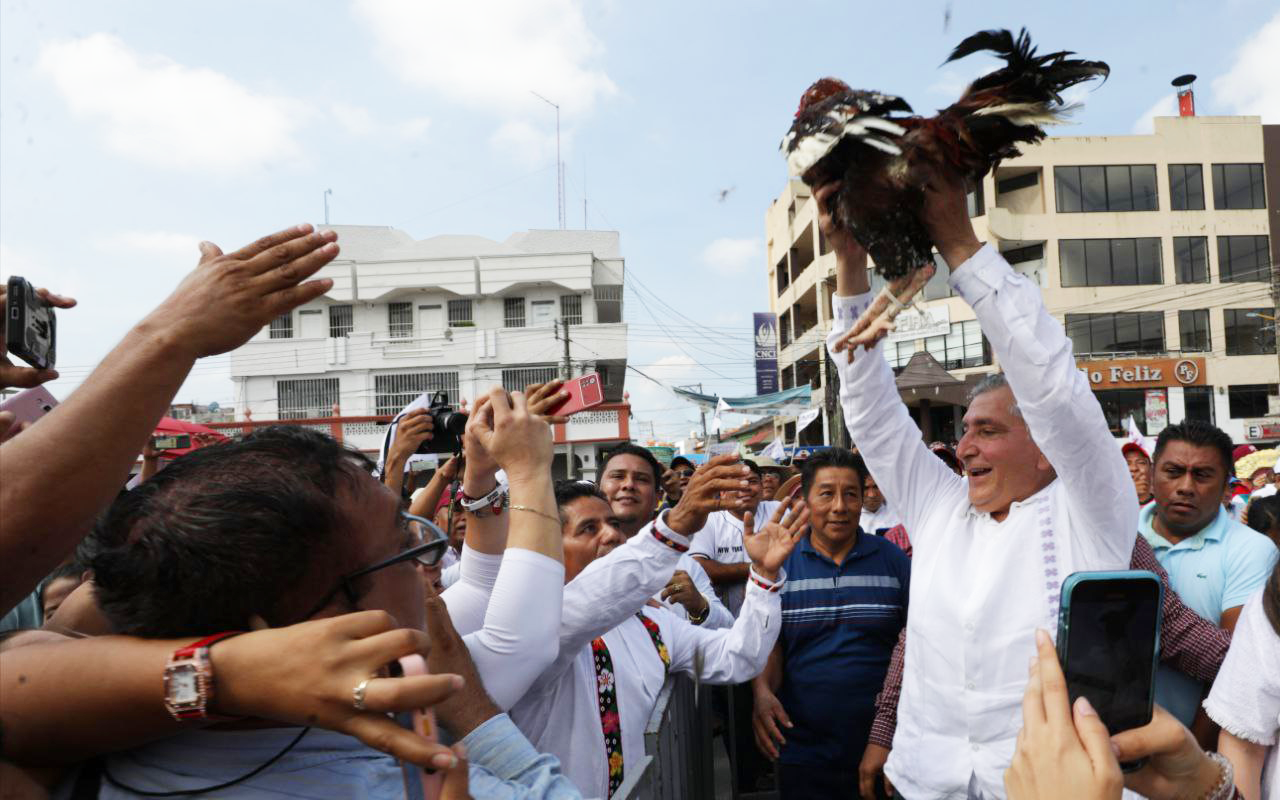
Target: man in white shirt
[1047,493]
[719,549]
[630,479]
[591,706]
[876,516]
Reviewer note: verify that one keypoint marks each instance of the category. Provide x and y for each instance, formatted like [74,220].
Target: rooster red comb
[819,91]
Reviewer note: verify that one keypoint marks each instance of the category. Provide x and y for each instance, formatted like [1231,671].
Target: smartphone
[30,327]
[584,392]
[177,441]
[1109,644]
[422,465]
[30,405]
[722,449]
[419,782]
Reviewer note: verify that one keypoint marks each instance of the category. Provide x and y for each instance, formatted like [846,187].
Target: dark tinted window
[1198,401]
[1193,329]
[1066,183]
[1116,333]
[1238,186]
[1186,187]
[1244,258]
[1249,332]
[1119,187]
[1249,400]
[1191,259]
[1110,262]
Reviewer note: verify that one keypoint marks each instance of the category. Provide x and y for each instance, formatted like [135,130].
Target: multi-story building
[454,314]
[1157,252]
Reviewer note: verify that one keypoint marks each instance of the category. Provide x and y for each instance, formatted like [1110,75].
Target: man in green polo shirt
[1214,562]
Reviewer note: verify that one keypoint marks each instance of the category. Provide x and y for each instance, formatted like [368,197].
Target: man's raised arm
[1054,398]
[878,422]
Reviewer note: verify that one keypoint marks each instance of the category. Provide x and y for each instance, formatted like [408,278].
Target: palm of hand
[770,546]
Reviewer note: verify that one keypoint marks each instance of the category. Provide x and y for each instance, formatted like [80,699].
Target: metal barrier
[677,745]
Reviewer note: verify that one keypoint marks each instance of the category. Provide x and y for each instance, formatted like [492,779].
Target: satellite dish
[1184,80]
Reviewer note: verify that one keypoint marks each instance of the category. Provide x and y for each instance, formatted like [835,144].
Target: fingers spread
[271,240]
[303,293]
[291,270]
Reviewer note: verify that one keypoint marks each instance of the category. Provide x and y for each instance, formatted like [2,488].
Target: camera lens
[454,422]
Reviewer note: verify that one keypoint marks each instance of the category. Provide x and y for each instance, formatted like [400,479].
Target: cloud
[733,256]
[952,81]
[1250,86]
[358,121]
[1166,106]
[158,243]
[156,111]
[490,55]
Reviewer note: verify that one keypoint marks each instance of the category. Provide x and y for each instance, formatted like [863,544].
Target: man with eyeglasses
[288,525]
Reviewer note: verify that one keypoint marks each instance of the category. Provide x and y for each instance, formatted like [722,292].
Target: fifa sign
[765,334]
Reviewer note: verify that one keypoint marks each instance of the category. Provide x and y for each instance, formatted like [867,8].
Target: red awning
[760,436]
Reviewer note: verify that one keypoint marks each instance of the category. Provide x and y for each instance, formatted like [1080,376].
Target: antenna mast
[560,210]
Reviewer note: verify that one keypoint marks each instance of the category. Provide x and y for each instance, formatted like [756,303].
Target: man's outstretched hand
[230,297]
[770,547]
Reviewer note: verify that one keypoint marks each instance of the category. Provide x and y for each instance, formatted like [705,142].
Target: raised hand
[11,375]
[703,494]
[518,441]
[478,476]
[230,297]
[770,547]
[877,321]
[304,675]
[846,248]
[412,430]
[545,397]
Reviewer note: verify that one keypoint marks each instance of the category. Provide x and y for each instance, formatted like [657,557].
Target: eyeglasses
[684,473]
[426,545]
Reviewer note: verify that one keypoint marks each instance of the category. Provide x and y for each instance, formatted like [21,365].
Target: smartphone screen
[1108,639]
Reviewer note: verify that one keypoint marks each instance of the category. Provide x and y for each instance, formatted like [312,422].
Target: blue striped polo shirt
[840,623]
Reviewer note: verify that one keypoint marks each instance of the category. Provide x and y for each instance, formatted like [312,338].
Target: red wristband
[669,542]
[764,584]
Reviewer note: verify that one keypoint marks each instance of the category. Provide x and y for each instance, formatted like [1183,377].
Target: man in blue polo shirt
[1214,563]
[842,609]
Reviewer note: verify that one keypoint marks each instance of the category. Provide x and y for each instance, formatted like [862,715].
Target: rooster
[882,153]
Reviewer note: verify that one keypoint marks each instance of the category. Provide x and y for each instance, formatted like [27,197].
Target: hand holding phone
[418,781]
[584,392]
[177,441]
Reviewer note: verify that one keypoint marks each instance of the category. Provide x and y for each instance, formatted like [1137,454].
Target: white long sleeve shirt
[980,588]
[717,615]
[561,714]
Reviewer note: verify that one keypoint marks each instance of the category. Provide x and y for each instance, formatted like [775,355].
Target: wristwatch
[491,503]
[706,612]
[188,680]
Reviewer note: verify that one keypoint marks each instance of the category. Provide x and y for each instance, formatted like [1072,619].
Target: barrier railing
[677,744]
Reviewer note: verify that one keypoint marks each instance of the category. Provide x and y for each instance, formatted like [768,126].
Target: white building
[459,314]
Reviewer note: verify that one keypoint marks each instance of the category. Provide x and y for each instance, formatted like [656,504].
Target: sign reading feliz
[1144,372]
[914,324]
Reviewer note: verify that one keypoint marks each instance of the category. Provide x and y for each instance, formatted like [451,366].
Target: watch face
[183,688]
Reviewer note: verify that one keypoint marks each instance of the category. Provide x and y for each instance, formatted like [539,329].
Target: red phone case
[584,392]
[424,724]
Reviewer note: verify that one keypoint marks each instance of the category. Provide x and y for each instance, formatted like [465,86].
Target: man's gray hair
[990,383]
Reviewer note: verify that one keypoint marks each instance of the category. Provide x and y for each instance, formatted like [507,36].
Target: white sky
[131,130]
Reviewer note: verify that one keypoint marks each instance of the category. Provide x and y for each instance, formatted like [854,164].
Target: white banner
[807,418]
[912,324]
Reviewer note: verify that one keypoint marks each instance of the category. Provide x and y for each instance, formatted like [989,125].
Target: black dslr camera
[448,426]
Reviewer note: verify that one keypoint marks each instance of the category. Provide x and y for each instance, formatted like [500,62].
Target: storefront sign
[1143,373]
[1261,430]
[915,324]
[765,329]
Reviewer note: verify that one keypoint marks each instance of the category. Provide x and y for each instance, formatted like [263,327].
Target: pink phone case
[30,405]
[424,724]
[584,392]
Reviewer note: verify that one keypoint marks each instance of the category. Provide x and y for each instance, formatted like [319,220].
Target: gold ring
[357,694]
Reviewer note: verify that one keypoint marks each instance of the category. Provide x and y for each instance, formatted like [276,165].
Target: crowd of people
[233,624]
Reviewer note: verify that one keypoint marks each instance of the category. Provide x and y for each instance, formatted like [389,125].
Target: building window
[1191,259]
[899,353]
[975,202]
[513,312]
[400,320]
[1193,328]
[1109,262]
[1141,332]
[784,328]
[1119,404]
[282,326]
[514,380]
[340,321]
[571,309]
[460,314]
[1198,403]
[1249,400]
[1244,258]
[608,304]
[1249,332]
[1112,188]
[1023,181]
[1186,187]
[1021,255]
[306,398]
[393,392]
[963,347]
[1238,186]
